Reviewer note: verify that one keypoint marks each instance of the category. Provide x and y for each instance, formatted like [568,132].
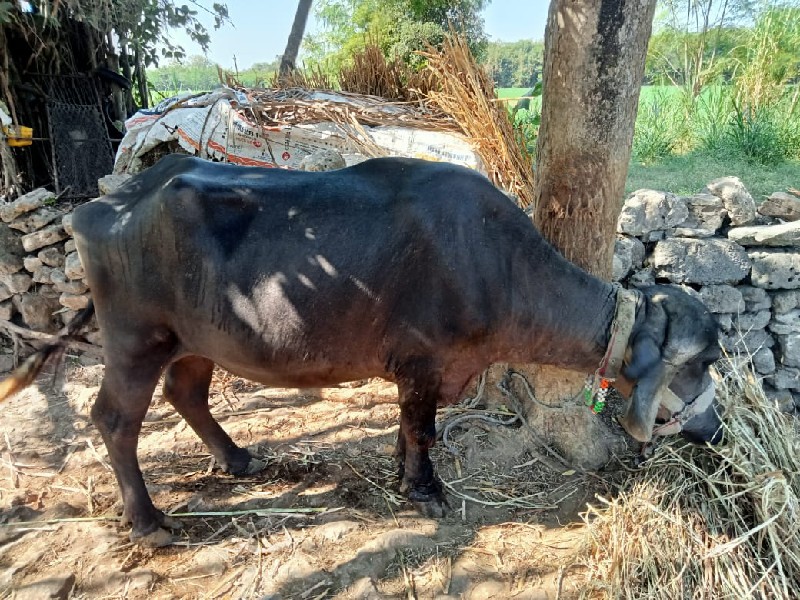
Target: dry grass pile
[708,523]
[312,78]
[466,93]
[378,92]
[371,73]
[294,106]
[453,93]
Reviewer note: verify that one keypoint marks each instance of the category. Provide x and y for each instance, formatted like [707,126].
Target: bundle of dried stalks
[373,75]
[718,522]
[466,94]
[310,78]
[294,106]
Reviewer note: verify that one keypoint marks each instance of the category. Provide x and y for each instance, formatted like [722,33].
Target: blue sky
[260,28]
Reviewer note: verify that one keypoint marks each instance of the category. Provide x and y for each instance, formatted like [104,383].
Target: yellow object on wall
[18,135]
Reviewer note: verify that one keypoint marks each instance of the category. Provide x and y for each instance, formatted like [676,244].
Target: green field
[648,93]
[647,90]
[510,92]
[681,143]
[689,174]
[513,95]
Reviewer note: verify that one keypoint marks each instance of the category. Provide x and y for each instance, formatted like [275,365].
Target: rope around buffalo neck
[597,384]
[689,411]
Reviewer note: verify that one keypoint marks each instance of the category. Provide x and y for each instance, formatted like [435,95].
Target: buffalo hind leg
[186,384]
[118,412]
[418,389]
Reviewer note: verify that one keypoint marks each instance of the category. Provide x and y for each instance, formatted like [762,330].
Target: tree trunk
[295,37]
[593,68]
[117,95]
[141,78]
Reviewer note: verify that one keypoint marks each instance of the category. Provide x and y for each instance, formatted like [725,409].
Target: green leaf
[6,15]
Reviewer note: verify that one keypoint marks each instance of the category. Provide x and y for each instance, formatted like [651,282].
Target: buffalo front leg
[400,452]
[418,400]
[186,384]
[118,413]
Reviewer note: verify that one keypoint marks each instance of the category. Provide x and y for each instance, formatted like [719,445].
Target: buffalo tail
[24,375]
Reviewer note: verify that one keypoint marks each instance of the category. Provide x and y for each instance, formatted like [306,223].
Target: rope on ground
[553,460]
[505,388]
[547,457]
[447,426]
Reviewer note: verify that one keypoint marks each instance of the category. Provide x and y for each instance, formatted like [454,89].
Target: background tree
[515,64]
[593,66]
[693,39]
[142,31]
[400,27]
[289,58]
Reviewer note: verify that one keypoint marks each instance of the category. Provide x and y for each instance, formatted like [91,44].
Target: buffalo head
[673,343]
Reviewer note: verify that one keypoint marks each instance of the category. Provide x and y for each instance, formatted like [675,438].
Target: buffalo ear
[650,373]
[644,355]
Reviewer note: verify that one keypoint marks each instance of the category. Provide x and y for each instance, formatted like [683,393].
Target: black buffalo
[421,273]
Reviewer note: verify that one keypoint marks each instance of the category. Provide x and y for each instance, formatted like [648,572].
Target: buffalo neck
[560,314]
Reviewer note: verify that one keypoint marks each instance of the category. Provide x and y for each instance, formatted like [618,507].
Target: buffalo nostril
[704,436]
[693,437]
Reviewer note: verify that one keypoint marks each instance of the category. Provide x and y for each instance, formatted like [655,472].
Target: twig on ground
[258,512]
[390,496]
[515,501]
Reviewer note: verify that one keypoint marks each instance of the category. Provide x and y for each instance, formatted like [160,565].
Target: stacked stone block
[744,264]
[40,273]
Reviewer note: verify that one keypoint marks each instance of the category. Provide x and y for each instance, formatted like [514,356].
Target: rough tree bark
[289,57]
[141,77]
[593,68]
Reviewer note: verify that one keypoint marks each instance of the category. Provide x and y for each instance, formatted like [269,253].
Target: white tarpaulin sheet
[216,126]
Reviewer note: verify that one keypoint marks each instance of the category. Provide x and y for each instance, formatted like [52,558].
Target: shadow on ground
[324,519]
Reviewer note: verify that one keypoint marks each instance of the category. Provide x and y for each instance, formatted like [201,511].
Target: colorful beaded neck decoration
[595,390]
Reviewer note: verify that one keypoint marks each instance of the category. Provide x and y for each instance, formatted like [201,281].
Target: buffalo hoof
[433,509]
[155,539]
[255,466]
[171,523]
[238,462]
[158,537]
[429,500]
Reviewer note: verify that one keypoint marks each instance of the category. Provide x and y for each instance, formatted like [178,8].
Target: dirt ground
[323,520]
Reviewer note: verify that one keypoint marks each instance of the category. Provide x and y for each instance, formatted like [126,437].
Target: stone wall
[41,277]
[743,262]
